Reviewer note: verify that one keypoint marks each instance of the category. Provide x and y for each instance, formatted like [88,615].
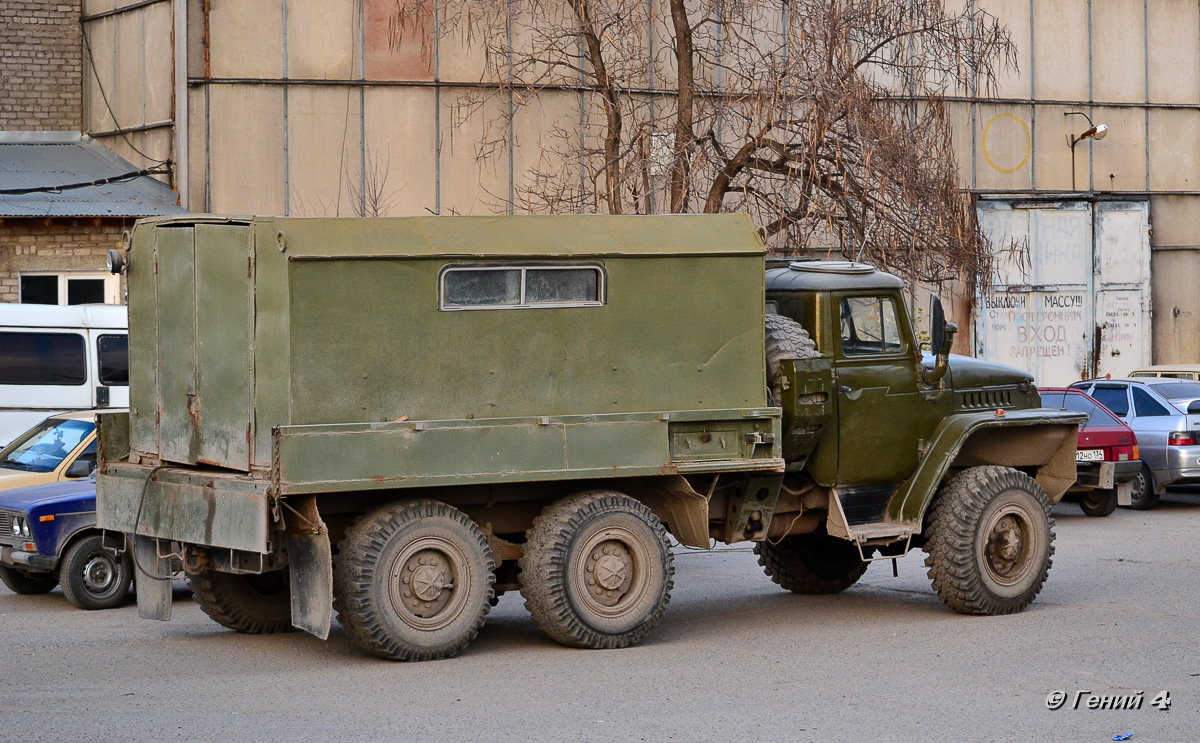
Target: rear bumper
[183,505]
[1183,464]
[1106,475]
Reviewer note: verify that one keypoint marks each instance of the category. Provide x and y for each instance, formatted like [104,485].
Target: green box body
[316,356]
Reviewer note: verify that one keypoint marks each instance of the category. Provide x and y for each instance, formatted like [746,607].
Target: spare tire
[785,339]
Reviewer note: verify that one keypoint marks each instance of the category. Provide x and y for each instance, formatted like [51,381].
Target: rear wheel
[251,604]
[27,584]
[1143,495]
[813,563]
[989,538]
[597,570]
[1099,502]
[94,575]
[413,581]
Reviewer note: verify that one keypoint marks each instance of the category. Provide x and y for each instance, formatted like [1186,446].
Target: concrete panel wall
[128,95]
[1118,160]
[1118,51]
[1004,147]
[1014,14]
[101,78]
[1175,221]
[246,38]
[1174,30]
[1175,150]
[537,149]
[246,160]
[474,160]
[197,147]
[324,131]
[403,140]
[398,46]
[1060,48]
[158,70]
[1176,310]
[322,39]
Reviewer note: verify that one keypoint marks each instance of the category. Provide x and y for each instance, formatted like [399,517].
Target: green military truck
[401,419]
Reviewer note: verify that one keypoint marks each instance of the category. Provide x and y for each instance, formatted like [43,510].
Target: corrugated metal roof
[45,159]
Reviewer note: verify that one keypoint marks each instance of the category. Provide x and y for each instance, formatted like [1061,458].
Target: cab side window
[1145,406]
[1115,399]
[869,326]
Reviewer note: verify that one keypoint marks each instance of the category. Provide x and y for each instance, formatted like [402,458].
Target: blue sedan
[48,536]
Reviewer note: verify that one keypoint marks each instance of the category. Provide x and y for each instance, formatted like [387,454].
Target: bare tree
[823,119]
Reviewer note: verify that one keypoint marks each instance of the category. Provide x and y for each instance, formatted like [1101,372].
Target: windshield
[1175,390]
[45,447]
[1097,416]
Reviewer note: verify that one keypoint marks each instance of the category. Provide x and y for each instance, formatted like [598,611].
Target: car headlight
[20,527]
[16,526]
[25,528]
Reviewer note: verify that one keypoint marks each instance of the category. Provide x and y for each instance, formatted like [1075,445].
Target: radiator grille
[987,399]
[5,523]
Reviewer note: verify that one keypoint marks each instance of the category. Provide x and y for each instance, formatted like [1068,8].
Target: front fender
[1040,438]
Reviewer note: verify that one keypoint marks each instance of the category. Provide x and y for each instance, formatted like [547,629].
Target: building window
[514,287]
[70,287]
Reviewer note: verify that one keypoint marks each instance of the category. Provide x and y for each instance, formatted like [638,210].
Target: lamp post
[1096,132]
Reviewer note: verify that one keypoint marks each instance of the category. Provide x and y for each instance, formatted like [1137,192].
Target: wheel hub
[424,583]
[1008,549]
[98,574]
[611,571]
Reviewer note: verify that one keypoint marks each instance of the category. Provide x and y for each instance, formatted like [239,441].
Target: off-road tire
[1098,502]
[785,339]
[92,576]
[813,563]
[597,537]
[1144,496]
[250,604]
[27,584]
[415,543]
[989,538]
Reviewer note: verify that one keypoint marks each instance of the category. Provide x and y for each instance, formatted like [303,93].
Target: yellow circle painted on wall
[1015,134]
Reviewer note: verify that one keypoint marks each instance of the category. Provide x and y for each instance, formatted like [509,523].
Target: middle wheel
[597,570]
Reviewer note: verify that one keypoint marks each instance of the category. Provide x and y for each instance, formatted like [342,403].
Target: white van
[55,358]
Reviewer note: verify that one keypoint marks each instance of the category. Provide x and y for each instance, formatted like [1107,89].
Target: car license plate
[1089,455]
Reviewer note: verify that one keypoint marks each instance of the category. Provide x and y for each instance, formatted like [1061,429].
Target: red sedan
[1106,456]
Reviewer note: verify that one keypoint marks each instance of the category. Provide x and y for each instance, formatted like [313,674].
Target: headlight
[25,528]
[16,526]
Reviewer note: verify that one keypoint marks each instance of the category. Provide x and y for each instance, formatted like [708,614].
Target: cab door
[878,401]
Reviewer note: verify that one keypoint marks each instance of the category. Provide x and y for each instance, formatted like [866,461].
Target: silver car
[1165,415]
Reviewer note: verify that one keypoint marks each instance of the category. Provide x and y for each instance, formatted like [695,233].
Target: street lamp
[1096,132]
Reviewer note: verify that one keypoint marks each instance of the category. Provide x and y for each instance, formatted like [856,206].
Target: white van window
[113,353]
[43,358]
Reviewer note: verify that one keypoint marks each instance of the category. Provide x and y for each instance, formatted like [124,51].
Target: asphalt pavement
[734,659]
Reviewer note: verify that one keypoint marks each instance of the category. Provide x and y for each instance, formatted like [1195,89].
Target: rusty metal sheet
[223,350]
[143,345]
[195,507]
[176,340]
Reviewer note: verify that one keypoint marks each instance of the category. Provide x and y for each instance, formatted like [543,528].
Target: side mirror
[937,324]
[79,468]
[1193,407]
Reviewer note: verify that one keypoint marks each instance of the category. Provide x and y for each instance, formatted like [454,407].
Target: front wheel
[96,572]
[989,539]
[1099,502]
[27,584]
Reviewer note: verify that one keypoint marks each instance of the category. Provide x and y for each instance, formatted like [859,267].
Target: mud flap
[311,561]
[1125,493]
[152,574]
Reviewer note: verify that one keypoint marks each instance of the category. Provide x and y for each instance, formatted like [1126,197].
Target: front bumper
[11,557]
